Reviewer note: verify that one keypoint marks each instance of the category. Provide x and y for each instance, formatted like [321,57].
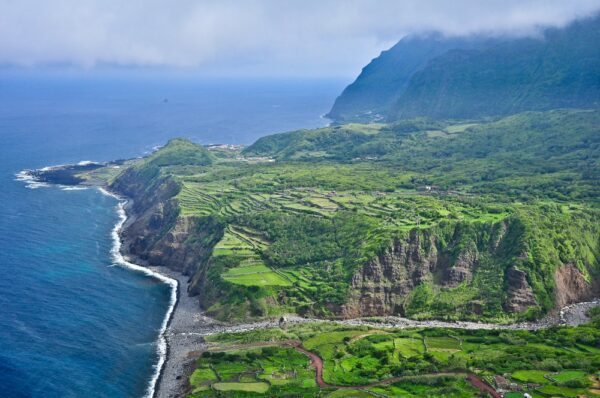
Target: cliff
[470,271]
[386,77]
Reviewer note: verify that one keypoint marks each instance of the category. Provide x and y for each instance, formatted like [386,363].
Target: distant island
[450,248]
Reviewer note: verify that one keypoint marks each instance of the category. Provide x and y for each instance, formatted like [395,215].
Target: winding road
[317,363]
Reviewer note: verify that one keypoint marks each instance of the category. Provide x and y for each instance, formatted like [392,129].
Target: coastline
[34,179]
[185,326]
[176,345]
[119,259]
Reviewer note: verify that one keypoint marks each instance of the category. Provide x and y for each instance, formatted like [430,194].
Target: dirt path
[483,386]
[317,363]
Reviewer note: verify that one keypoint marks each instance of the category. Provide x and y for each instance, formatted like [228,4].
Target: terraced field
[407,209]
[294,235]
[244,246]
[255,275]
[256,256]
[253,370]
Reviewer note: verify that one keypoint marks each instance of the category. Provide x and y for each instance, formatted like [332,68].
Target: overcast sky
[246,37]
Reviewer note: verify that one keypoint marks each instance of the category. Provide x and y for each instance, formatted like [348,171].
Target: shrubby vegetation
[519,157]
[287,225]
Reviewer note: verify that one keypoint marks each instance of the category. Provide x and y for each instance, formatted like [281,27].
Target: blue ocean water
[71,324]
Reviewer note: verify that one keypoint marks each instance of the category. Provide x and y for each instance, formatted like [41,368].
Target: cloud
[268,37]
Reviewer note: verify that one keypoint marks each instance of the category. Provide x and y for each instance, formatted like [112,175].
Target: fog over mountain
[260,38]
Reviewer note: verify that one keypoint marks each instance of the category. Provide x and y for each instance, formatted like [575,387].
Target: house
[501,383]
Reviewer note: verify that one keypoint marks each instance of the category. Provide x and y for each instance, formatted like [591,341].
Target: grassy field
[255,275]
[270,368]
[426,362]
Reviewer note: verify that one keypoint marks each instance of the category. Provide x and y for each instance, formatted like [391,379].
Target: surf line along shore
[162,348]
[174,344]
[182,335]
[63,177]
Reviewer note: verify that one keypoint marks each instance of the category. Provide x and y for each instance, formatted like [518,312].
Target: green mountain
[386,77]
[476,78]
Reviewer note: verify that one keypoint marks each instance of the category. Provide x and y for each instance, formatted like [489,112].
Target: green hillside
[474,78]
[427,219]
[551,154]
[385,78]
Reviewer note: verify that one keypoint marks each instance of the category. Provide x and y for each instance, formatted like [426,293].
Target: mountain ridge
[478,77]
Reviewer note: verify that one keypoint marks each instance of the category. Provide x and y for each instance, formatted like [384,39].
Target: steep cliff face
[381,286]
[572,286]
[519,293]
[384,286]
[466,271]
[384,79]
[157,234]
[471,77]
[456,270]
[441,272]
[537,257]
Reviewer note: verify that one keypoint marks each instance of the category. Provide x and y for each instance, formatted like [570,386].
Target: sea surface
[72,324]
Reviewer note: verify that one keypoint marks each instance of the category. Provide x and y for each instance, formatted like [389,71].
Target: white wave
[23,175]
[36,185]
[30,181]
[56,166]
[118,258]
[324,117]
[161,348]
[108,193]
[86,163]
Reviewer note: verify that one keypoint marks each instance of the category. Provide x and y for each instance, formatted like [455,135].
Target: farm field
[398,363]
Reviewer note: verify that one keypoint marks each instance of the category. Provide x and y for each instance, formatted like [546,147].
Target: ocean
[74,323]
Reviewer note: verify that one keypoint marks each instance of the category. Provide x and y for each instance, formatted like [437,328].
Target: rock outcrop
[383,286]
[437,260]
[380,286]
[157,234]
[572,287]
[519,293]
